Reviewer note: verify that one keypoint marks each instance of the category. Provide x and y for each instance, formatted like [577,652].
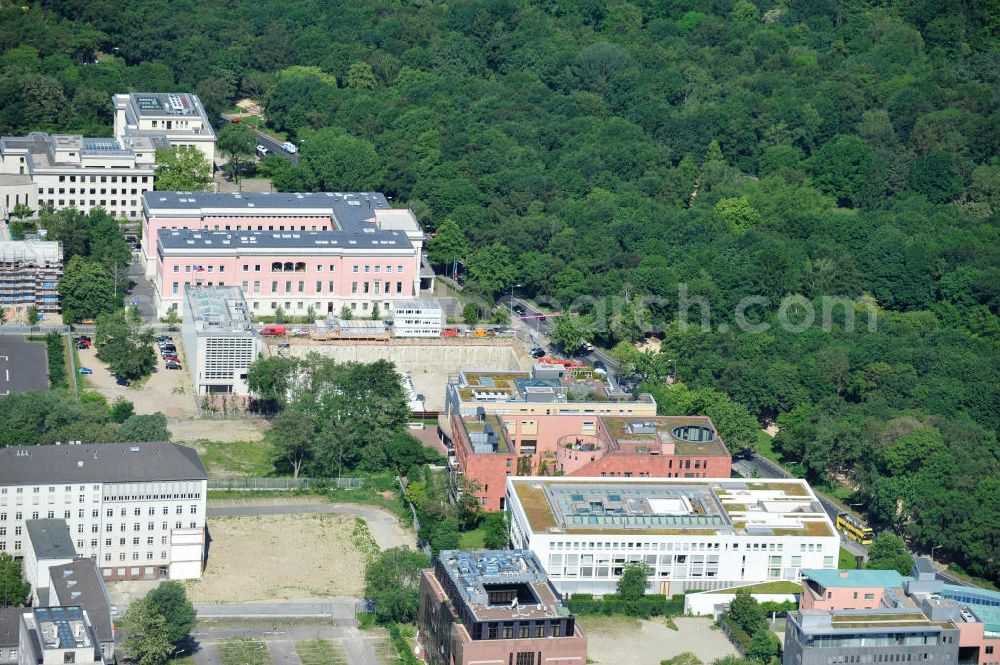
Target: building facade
[137,510]
[494,607]
[322,251]
[220,340]
[878,616]
[545,390]
[58,635]
[417,318]
[488,448]
[49,545]
[693,534]
[29,275]
[176,117]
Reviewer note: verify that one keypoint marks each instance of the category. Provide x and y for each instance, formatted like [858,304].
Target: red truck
[449,332]
[273,331]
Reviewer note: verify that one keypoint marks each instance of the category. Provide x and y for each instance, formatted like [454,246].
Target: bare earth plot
[168,391]
[250,429]
[279,557]
[619,641]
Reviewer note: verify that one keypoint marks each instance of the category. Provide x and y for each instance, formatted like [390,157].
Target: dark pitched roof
[79,583]
[99,462]
[50,539]
[10,625]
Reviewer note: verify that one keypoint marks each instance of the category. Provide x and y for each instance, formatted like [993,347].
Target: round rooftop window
[693,433]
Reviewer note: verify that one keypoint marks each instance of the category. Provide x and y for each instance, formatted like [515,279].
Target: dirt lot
[169,391]
[279,557]
[218,430]
[649,642]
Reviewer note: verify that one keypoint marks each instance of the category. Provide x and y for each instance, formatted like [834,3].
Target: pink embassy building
[294,251]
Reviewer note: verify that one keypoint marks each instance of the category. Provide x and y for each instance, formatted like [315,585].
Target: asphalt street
[22,365]
[275,147]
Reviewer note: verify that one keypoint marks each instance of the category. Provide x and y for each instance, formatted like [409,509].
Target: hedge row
[648,606]
[736,631]
[406,656]
[57,360]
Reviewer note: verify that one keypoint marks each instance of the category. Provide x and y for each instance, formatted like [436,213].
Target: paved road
[340,610]
[141,292]
[22,366]
[384,525]
[275,147]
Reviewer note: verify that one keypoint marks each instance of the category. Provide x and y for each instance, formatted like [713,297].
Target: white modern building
[219,338]
[692,534]
[178,117]
[49,546]
[136,509]
[69,170]
[417,318]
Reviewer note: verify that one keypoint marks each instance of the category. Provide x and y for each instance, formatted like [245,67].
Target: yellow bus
[855,529]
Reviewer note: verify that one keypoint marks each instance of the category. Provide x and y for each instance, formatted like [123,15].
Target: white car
[262,150]
[289,147]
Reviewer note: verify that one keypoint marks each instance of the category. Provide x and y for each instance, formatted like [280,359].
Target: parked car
[174,365]
[519,310]
[298,332]
[84,338]
[537,352]
[85,370]
[289,147]
[164,338]
[600,367]
[168,351]
[122,382]
[262,150]
[171,358]
[273,331]
[83,345]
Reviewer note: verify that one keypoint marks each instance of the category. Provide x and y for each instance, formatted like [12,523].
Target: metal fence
[255,484]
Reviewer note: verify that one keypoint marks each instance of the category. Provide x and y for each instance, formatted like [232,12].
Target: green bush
[56,351]
[406,656]
[648,606]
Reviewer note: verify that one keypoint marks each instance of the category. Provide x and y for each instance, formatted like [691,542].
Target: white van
[262,150]
[289,147]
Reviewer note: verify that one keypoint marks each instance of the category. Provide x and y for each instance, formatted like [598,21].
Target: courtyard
[650,641]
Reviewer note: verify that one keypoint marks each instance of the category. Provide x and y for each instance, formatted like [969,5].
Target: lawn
[846,559]
[765,447]
[472,540]
[320,652]
[244,652]
[780,586]
[234,458]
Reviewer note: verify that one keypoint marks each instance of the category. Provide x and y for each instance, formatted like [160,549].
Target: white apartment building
[692,534]
[219,338]
[136,509]
[68,170]
[178,117]
[417,318]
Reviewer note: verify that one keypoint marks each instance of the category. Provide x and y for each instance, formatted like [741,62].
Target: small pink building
[847,589]
[322,251]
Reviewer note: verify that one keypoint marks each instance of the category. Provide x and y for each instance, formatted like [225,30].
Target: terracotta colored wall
[554,650]
[841,598]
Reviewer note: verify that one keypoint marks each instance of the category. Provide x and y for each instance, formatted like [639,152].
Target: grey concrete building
[219,339]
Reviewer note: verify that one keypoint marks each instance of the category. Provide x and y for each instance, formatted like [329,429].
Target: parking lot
[22,365]
[167,391]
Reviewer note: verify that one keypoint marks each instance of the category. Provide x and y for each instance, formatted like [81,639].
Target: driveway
[385,526]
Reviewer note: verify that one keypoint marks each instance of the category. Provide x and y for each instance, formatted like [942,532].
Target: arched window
[276,266]
[288,266]
[300,266]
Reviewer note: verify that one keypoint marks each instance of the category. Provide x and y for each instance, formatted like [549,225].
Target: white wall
[705,603]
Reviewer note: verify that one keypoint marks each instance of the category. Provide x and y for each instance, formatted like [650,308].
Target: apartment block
[57,635]
[219,338]
[494,607]
[175,117]
[29,275]
[875,616]
[489,447]
[137,510]
[293,251]
[692,533]
[545,390]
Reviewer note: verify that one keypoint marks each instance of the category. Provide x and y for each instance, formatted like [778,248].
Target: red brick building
[490,447]
[494,607]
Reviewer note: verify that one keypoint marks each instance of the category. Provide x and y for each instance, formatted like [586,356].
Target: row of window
[300,266]
[93,190]
[103,178]
[104,203]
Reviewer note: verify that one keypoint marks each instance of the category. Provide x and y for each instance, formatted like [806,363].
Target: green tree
[86,290]
[448,246]
[935,176]
[746,613]
[268,380]
[182,170]
[145,427]
[376,312]
[470,314]
[238,142]
[172,319]
[170,600]
[491,268]
[146,639]
[32,315]
[634,581]
[21,211]
[360,75]
[889,552]
[121,410]
[445,535]
[125,344]
[683,658]
[14,589]
[844,168]
[279,315]
[392,581]
[293,437]
[569,332]
[335,161]
[763,647]
[496,531]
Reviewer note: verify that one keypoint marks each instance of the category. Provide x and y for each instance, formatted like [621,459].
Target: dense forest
[631,150]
